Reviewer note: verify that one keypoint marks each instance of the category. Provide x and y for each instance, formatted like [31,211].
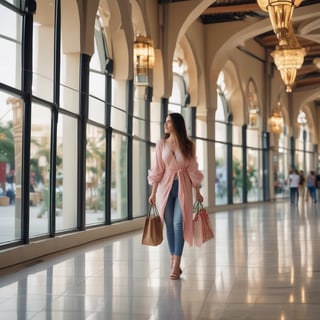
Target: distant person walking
[311,185]
[318,185]
[293,181]
[301,190]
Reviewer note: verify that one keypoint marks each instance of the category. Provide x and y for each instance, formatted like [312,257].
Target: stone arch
[234,93]
[310,121]
[119,33]
[305,102]
[185,53]
[176,19]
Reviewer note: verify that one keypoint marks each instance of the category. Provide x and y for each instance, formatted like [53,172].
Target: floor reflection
[263,264]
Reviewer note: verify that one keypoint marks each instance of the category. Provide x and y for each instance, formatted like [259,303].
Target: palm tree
[7,144]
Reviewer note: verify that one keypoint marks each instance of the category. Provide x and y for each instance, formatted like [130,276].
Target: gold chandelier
[143,57]
[316,62]
[288,59]
[280,13]
[276,120]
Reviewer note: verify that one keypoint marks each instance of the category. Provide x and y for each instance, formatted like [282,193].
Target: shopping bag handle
[198,206]
[153,210]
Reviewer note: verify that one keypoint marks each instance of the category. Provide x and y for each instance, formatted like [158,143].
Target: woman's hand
[199,196]
[152,199]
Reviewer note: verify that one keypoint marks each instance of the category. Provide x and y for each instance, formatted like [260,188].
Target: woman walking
[311,185]
[173,176]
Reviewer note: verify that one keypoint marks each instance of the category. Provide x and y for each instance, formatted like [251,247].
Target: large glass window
[139,178]
[155,122]
[304,149]
[43,42]
[139,155]
[221,151]
[95,175]
[254,166]
[281,169]
[97,78]
[96,110]
[119,178]
[254,175]
[221,187]
[39,170]
[66,173]
[11,111]
[237,175]
[178,95]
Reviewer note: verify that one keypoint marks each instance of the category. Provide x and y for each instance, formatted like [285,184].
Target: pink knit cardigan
[166,166]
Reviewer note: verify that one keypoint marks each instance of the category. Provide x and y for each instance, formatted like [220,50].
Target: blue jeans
[174,221]
[294,195]
[312,192]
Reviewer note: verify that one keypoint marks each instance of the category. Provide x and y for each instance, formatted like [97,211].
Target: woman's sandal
[175,275]
[175,268]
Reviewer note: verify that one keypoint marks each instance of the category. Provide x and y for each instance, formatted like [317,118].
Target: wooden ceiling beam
[232,9]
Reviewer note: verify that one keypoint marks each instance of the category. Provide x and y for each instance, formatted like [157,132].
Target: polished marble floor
[264,264]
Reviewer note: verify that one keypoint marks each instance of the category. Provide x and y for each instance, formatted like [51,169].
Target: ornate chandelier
[288,59]
[280,13]
[276,120]
[316,62]
[143,58]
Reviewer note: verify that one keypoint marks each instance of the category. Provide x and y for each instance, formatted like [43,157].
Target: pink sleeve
[156,172]
[194,173]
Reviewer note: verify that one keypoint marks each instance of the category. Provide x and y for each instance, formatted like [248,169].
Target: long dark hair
[185,144]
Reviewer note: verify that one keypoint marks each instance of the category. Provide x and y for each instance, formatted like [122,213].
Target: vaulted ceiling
[235,10]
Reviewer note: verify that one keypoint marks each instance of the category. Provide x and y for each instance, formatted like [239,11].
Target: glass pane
[95,175]
[118,119]
[280,165]
[155,122]
[97,85]
[119,178]
[10,44]
[201,149]
[139,123]
[299,160]
[309,147]
[11,121]
[220,132]
[253,138]
[178,91]
[237,135]
[69,73]
[309,162]
[96,110]
[220,112]
[187,114]
[69,99]
[39,170]
[98,59]
[16,3]
[10,26]
[119,106]
[66,173]
[221,188]
[237,175]
[139,178]
[254,175]
[43,42]
[174,108]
